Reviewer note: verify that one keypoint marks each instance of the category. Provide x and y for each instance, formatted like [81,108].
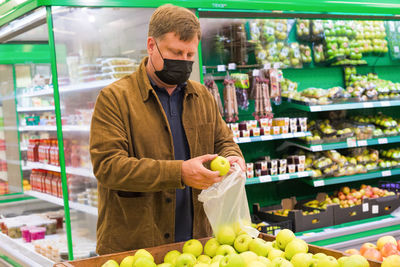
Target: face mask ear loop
[158,52]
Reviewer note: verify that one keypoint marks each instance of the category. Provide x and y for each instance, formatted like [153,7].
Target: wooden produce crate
[159,252]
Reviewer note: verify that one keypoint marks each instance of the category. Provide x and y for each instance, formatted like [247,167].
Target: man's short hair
[169,18]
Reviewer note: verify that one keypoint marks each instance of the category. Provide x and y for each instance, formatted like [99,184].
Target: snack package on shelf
[230,103]
[303,29]
[242,85]
[213,89]
[392,29]
[262,101]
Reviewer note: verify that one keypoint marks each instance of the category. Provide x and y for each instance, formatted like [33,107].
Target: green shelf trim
[352,178]
[251,139]
[351,142]
[9,200]
[342,106]
[345,238]
[10,261]
[276,178]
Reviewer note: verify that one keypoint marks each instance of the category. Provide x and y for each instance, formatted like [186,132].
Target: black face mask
[174,71]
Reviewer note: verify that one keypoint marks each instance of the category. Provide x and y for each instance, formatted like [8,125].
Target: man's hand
[195,175]
[238,160]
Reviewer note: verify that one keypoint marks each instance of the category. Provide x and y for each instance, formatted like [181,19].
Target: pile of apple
[386,249]
[285,212]
[238,249]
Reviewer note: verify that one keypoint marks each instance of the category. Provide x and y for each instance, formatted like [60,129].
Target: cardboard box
[159,252]
[384,205]
[299,221]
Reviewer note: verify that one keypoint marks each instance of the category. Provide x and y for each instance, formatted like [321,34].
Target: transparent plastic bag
[225,203]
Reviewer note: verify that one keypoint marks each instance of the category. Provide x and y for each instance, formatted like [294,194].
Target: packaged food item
[37,233]
[291,168]
[116,61]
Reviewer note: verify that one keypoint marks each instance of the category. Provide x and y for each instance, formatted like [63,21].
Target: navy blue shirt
[173,105]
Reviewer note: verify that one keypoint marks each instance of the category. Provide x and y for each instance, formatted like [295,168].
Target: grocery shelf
[24,252]
[241,140]
[37,93]
[32,109]
[80,171]
[66,128]
[86,86]
[69,170]
[76,128]
[23,148]
[351,142]
[351,178]
[59,201]
[343,106]
[275,178]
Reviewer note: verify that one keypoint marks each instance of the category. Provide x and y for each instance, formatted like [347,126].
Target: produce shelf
[241,140]
[343,106]
[59,201]
[351,178]
[275,178]
[37,93]
[351,142]
[69,170]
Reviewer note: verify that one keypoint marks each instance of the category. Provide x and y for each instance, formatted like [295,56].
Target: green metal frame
[24,53]
[10,261]
[60,138]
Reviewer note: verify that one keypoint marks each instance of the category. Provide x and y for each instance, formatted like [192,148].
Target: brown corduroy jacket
[133,160]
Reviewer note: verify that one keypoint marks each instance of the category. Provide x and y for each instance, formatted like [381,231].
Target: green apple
[214,264]
[242,242]
[249,256]
[295,246]
[328,261]
[171,256]
[201,264]
[142,253]
[260,246]
[193,246]
[284,237]
[320,255]
[233,260]
[342,260]
[302,260]
[256,264]
[238,227]
[217,258]
[185,260]
[280,262]
[220,164]
[128,261]
[264,260]
[275,253]
[355,261]
[144,262]
[111,263]
[165,265]
[226,235]
[225,250]
[204,259]
[210,247]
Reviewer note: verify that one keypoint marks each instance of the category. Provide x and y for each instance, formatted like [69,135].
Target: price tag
[302,174]
[385,104]
[270,31]
[285,51]
[315,108]
[382,141]
[368,105]
[351,142]
[299,134]
[362,143]
[256,72]
[265,178]
[235,140]
[375,209]
[284,177]
[316,148]
[279,27]
[267,66]
[277,65]
[287,135]
[261,55]
[232,66]
[204,70]
[396,49]
[365,207]
[386,173]
[319,183]
[244,140]
[297,53]
[272,51]
[291,87]
[266,137]
[221,68]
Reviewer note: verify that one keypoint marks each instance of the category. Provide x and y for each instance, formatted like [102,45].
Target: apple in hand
[242,242]
[233,260]
[225,250]
[171,256]
[220,164]
[185,260]
[111,263]
[226,235]
[284,237]
[193,246]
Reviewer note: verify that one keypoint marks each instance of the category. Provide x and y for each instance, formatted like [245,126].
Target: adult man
[151,133]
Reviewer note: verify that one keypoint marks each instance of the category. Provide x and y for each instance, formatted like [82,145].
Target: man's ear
[151,45]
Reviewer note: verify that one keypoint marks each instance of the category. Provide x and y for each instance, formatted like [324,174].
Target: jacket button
[166,236]
[168,200]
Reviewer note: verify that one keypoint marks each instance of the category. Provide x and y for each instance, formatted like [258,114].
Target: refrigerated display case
[90,45]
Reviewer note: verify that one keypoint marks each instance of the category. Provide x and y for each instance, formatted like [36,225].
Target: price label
[396,49]
[279,27]
[319,183]
[284,177]
[316,148]
[272,51]
[232,66]
[351,142]
[382,141]
[221,68]
[302,174]
[235,140]
[285,51]
[375,209]
[277,65]
[385,104]
[296,53]
[368,105]
[256,72]
[386,173]
[266,137]
[267,66]
[287,135]
[262,55]
[291,87]
[365,207]
[302,25]
[204,70]
[299,134]
[265,179]
[244,140]
[270,31]
[362,143]
[315,108]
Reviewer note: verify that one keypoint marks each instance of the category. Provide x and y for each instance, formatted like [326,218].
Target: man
[151,133]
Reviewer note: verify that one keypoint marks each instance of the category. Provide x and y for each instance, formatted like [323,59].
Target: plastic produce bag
[225,203]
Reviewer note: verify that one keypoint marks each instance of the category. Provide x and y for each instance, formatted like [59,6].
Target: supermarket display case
[89,45]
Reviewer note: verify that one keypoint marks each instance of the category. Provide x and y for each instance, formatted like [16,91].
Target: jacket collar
[145,85]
